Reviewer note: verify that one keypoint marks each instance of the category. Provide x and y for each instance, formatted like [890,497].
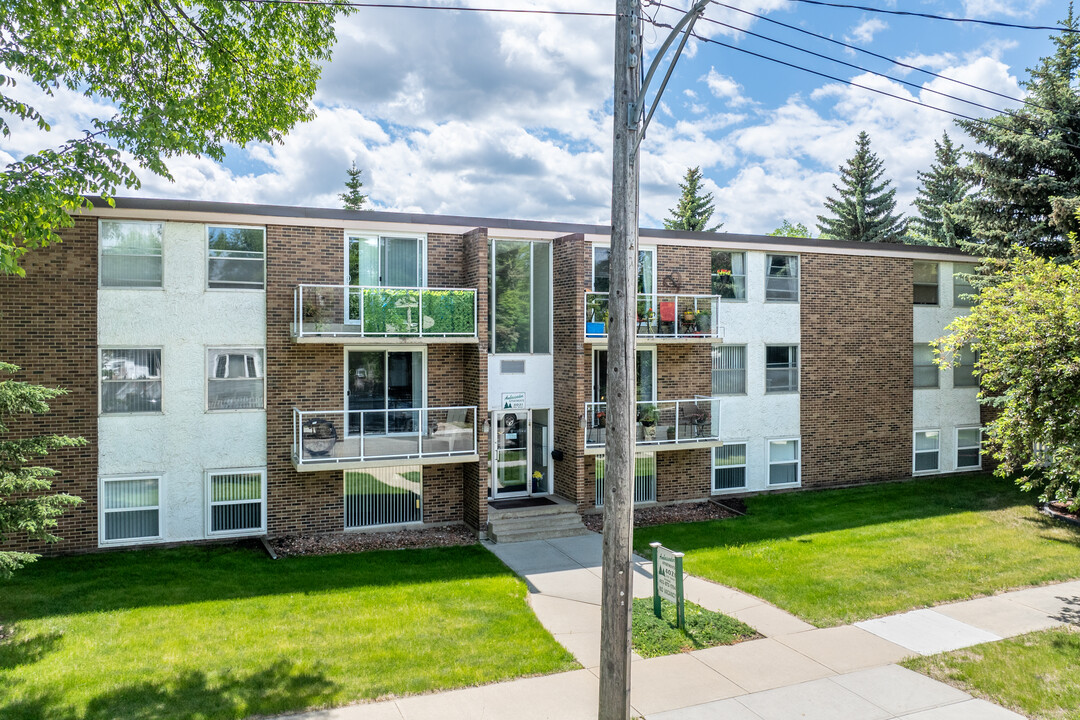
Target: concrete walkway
[795,671]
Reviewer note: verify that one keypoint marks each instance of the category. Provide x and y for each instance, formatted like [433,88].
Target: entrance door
[511,453]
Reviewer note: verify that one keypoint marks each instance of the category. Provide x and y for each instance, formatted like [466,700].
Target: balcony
[351,439]
[382,315]
[661,425]
[660,318]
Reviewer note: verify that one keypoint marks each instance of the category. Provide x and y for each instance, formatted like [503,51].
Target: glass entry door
[522,444]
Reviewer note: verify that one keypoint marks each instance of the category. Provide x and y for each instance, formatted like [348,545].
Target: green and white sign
[668,580]
[513,401]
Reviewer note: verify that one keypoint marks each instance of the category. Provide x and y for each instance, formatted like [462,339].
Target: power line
[911,101]
[403,6]
[931,16]
[860,68]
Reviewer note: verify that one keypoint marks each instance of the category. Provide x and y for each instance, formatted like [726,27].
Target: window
[130,381]
[602,269]
[728,370]
[644,478]
[236,258]
[383,389]
[926,282]
[646,375]
[729,467]
[963,293]
[521,287]
[234,379]
[783,462]
[964,371]
[781,278]
[235,502]
[130,510]
[384,496]
[968,448]
[927,446]
[130,254]
[926,372]
[386,261]
[729,274]
[781,368]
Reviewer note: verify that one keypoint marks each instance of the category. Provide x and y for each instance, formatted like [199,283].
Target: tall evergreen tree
[1030,163]
[351,198]
[942,190]
[24,505]
[694,209]
[864,209]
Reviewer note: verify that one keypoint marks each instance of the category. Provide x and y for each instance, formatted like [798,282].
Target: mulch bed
[1060,511]
[682,513]
[449,536]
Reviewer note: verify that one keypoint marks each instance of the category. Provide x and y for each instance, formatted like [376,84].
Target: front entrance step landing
[543,522]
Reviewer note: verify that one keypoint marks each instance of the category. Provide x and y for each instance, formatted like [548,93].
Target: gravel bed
[681,513]
[449,536]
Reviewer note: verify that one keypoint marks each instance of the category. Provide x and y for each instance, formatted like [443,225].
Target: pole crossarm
[685,23]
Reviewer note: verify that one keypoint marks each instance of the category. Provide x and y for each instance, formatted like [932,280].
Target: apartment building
[243,370]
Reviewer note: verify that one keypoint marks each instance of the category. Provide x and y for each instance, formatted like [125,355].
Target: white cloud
[1011,8]
[864,32]
[725,88]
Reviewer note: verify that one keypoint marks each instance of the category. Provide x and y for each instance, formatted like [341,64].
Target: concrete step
[561,507]
[572,520]
[536,534]
[535,526]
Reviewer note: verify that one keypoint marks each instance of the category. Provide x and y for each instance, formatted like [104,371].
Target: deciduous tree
[863,209]
[786,229]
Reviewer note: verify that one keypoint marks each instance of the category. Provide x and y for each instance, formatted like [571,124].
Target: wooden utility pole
[618,576]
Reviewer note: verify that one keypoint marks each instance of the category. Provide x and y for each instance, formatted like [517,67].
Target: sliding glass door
[382,262]
[380,386]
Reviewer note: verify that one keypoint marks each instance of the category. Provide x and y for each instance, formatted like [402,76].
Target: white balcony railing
[355,311]
[333,437]
[660,316]
[664,422]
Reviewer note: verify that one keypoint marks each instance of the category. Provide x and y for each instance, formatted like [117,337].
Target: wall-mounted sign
[513,401]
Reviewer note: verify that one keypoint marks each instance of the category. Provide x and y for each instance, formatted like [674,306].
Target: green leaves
[184,77]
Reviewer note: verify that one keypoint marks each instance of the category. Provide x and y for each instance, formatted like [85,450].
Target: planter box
[594,328]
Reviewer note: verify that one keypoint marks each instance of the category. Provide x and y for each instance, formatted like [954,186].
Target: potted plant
[671,432]
[315,313]
[647,416]
[701,318]
[601,419]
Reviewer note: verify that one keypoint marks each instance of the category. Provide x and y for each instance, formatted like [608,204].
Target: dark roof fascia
[560,228]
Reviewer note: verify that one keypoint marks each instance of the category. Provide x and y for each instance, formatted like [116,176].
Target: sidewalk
[795,671]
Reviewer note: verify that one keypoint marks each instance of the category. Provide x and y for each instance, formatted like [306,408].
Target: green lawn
[226,633]
[1035,674]
[653,636]
[838,556]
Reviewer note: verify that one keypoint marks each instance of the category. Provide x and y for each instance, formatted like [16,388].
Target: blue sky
[506,115]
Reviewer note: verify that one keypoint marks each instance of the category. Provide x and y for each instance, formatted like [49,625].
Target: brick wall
[683,475]
[571,269]
[683,270]
[48,327]
[474,476]
[856,377]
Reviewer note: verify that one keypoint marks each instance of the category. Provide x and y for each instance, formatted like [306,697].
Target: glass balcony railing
[659,316]
[354,311]
[664,422]
[353,436]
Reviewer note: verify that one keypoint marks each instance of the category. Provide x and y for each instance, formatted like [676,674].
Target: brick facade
[857,375]
[48,327]
[571,268]
[475,476]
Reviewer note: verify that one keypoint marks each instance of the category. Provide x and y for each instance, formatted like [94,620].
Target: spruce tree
[864,209]
[351,198]
[942,191]
[694,209]
[1030,165]
[25,506]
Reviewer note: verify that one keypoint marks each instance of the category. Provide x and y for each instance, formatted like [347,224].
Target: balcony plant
[315,312]
[647,415]
[701,319]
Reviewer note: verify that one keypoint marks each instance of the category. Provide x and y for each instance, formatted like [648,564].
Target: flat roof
[208,211]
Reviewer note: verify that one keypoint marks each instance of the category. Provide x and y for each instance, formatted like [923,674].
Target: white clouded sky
[510,115]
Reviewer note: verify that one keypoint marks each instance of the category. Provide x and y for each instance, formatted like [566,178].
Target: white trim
[159,223]
[532,242]
[102,542]
[207,378]
[160,379]
[713,467]
[209,504]
[366,232]
[797,462]
[798,278]
[915,452]
[937,285]
[957,448]
[797,368]
[713,369]
[639,348]
[206,265]
[641,249]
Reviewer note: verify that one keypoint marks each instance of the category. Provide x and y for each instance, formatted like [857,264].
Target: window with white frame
[926,372]
[236,257]
[130,510]
[729,467]
[927,448]
[728,370]
[520,287]
[235,379]
[968,448]
[781,278]
[236,502]
[130,380]
[783,462]
[601,277]
[964,370]
[781,368]
[729,274]
[926,282]
[130,254]
[964,295]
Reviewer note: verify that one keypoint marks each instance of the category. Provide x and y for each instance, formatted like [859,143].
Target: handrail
[678,424]
[660,315]
[340,310]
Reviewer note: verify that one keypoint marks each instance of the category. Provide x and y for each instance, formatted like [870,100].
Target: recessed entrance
[522,444]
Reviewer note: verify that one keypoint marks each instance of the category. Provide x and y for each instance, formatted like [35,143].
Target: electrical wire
[911,101]
[404,6]
[930,16]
